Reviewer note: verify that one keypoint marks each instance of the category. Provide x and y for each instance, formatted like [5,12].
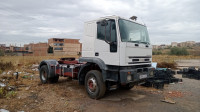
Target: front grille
[139,56]
[139,59]
[139,62]
[135,59]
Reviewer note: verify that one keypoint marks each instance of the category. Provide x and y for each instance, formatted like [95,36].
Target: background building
[3,47]
[63,46]
[174,44]
[55,46]
[186,44]
[40,49]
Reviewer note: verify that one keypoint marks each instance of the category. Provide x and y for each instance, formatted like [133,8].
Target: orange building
[63,46]
[38,49]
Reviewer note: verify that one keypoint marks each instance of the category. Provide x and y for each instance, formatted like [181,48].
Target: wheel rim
[92,85]
[44,74]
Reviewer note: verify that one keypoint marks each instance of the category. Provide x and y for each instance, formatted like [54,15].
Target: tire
[44,76]
[54,79]
[94,84]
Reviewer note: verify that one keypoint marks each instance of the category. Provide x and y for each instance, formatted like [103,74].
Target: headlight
[129,77]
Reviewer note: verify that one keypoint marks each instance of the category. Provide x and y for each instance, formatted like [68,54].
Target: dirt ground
[68,96]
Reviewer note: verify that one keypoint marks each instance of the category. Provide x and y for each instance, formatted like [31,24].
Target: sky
[25,21]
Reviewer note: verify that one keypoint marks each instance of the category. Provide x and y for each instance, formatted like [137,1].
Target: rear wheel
[94,84]
[44,76]
[54,79]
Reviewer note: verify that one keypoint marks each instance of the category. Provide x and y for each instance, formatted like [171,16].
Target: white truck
[116,52]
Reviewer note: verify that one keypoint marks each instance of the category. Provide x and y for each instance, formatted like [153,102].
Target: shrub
[10,94]
[7,94]
[6,65]
[1,52]
[2,92]
[156,52]
[178,51]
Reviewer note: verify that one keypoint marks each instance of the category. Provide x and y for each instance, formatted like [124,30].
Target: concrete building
[3,47]
[14,49]
[174,44]
[155,46]
[197,43]
[163,46]
[62,46]
[186,44]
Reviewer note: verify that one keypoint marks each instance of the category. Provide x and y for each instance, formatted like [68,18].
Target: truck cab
[116,52]
[120,48]
[117,41]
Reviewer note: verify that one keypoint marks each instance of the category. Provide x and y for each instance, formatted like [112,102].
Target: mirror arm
[107,41]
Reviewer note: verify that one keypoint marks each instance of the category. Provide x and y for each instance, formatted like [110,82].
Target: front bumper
[135,75]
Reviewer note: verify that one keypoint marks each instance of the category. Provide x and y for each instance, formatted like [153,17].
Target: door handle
[96,54]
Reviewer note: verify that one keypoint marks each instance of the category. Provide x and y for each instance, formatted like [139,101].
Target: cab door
[106,47]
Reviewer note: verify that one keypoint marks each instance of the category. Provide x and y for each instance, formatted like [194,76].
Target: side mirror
[113,46]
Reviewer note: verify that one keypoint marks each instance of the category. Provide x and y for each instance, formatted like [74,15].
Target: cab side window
[100,31]
[107,31]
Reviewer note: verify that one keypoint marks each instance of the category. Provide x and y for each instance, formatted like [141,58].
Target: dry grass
[19,61]
[24,61]
[171,59]
[5,66]
[172,65]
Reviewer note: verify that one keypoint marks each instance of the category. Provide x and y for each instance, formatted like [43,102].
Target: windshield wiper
[133,41]
[147,43]
[144,42]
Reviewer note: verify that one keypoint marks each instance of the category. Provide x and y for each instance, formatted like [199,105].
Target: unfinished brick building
[38,49]
[63,46]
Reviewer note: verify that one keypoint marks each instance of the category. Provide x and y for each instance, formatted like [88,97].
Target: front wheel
[94,84]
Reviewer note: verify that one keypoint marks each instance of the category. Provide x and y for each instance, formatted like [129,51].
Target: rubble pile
[7,87]
[12,80]
[161,76]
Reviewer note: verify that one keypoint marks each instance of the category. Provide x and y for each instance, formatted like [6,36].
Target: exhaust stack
[133,18]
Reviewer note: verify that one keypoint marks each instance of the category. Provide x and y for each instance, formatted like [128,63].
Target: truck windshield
[133,32]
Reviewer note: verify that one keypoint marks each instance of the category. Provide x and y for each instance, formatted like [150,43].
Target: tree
[50,49]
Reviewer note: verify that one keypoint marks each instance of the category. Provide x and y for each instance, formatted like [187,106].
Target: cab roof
[115,17]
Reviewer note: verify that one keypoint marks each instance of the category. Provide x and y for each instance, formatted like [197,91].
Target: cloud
[25,21]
